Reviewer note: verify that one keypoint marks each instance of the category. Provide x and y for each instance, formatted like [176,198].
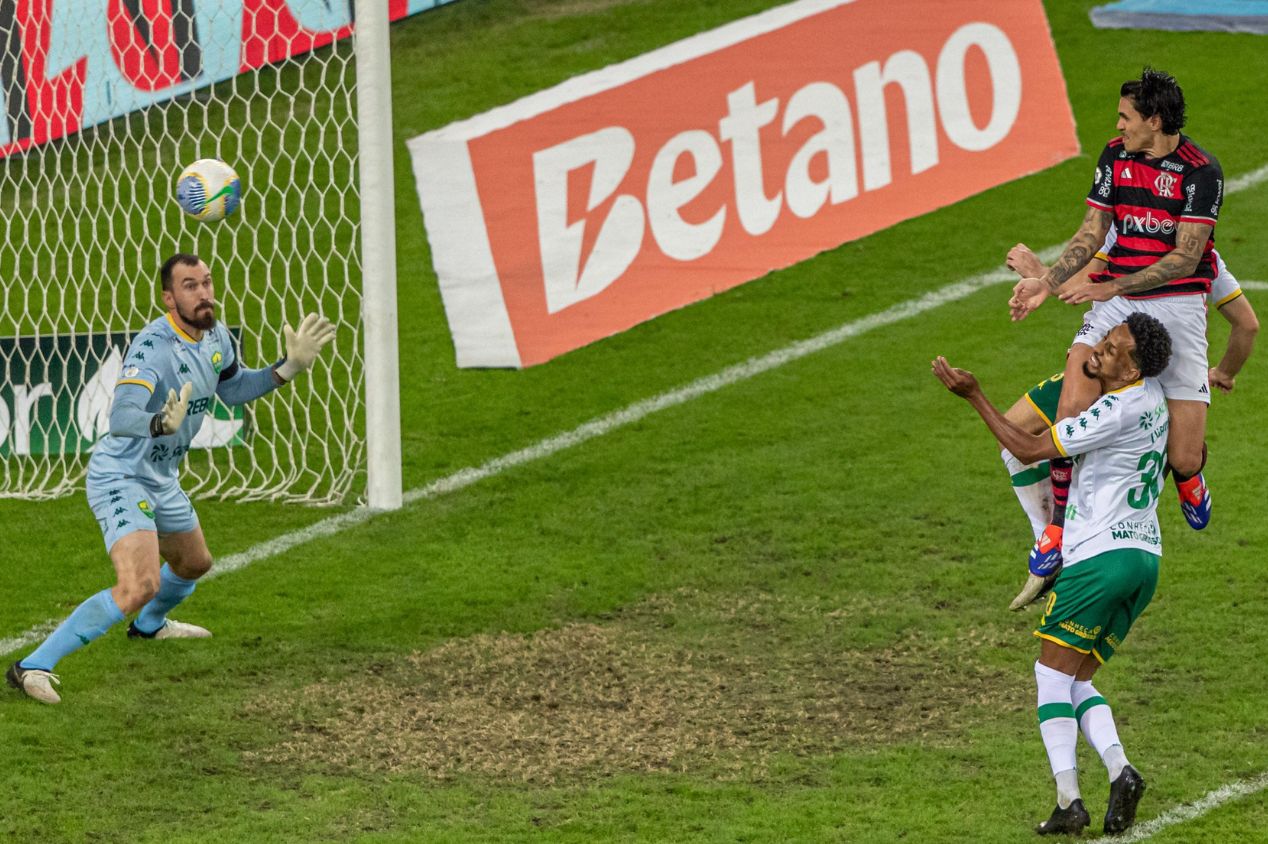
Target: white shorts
[1184,317]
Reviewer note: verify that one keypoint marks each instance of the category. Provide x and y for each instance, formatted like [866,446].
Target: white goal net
[102,112]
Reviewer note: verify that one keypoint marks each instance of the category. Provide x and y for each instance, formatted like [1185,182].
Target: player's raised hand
[959,381]
[1023,261]
[170,416]
[303,344]
[1028,294]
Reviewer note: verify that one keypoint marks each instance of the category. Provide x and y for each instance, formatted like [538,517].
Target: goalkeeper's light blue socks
[172,590]
[95,616]
[89,621]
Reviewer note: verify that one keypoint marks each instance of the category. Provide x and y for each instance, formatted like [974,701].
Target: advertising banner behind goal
[105,103]
[56,393]
[583,210]
[65,66]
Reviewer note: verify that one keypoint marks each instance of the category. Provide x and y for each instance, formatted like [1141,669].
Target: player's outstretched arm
[239,385]
[1025,446]
[303,344]
[1241,342]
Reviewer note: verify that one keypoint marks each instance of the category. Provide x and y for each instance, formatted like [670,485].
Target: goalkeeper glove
[304,344]
[170,416]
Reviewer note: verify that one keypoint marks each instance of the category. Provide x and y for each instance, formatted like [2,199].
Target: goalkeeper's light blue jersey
[163,357]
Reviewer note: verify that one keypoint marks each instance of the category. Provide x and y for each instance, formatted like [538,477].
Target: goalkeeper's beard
[203,318]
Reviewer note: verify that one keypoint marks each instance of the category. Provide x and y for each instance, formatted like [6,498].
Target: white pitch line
[595,428]
[1190,811]
[617,419]
[1253,285]
[605,424]
[1246,180]
[639,410]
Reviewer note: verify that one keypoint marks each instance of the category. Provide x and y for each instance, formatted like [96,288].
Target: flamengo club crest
[1164,184]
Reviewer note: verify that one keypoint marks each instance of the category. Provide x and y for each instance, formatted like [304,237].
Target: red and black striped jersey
[1149,198]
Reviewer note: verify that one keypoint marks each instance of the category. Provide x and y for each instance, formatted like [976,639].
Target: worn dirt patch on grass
[689,681]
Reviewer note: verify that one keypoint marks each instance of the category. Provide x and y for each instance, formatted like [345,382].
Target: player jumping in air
[1112,550]
[1037,410]
[173,369]
[1162,193]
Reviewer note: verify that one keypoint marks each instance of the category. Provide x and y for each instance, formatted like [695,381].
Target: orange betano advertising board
[580,211]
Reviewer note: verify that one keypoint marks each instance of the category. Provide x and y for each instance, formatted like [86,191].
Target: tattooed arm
[1030,293]
[1081,248]
[1191,240]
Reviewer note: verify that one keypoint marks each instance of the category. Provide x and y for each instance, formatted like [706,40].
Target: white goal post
[102,109]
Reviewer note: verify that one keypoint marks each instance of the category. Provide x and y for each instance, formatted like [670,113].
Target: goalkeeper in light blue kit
[173,369]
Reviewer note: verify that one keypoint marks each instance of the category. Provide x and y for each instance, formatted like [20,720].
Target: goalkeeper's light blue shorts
[125,505]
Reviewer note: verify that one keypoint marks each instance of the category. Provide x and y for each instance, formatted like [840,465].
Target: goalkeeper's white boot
[35,683]
[171,629]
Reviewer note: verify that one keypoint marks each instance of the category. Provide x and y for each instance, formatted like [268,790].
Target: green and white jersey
[1119,446]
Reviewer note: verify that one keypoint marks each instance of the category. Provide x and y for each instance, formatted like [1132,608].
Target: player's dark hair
[165,273]
[1157,92]
[1153,344]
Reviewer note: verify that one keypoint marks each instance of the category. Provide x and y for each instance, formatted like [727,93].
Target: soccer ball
[208,190]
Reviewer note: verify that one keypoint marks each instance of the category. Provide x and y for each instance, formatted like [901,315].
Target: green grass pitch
[774,613]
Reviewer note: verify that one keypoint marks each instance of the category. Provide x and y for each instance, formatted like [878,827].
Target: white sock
[1059,729]
[1033,487]
[1097,723]
[1115,760]
[1067,787]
